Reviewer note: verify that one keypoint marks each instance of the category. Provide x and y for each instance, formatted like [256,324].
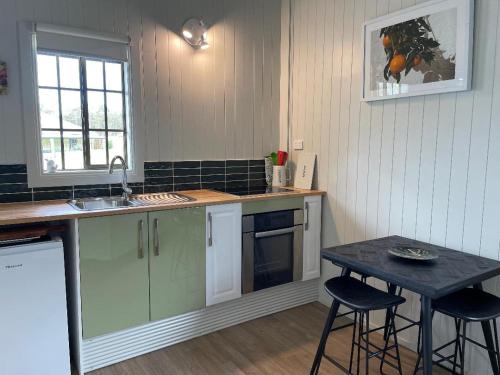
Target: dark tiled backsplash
[222,175]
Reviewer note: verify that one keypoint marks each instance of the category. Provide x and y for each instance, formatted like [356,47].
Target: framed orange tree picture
[425,49]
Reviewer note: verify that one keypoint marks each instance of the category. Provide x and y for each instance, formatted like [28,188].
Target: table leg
[488,338]
[427,334]
[391,289]
[334,309]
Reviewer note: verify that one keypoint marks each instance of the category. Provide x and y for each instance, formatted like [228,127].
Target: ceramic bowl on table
[414,253]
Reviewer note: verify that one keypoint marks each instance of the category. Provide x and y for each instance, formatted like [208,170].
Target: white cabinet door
[312,237]
[223,253]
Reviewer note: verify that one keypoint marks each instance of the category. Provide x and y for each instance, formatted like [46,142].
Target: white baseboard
[113,348]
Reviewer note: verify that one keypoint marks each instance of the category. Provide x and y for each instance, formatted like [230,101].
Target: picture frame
[3,78]
[421,50]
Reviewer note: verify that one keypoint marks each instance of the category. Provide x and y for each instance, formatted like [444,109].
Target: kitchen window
[82,113]
[78,105]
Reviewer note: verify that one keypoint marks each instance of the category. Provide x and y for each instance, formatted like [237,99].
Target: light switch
[298,144]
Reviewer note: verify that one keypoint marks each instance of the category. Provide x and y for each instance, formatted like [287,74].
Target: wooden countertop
[44,211]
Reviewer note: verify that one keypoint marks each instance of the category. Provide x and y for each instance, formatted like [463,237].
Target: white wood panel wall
[216,104]
[424,167]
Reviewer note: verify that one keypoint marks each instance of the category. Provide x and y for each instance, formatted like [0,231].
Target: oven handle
[275,232]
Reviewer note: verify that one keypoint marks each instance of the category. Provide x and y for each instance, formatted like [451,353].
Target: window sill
[37,179]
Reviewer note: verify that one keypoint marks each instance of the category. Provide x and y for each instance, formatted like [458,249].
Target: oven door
[271,258]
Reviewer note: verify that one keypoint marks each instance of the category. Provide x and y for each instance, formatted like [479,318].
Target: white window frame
[31,118]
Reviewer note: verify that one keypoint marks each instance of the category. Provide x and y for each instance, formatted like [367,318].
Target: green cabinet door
[113,273]
[177,261]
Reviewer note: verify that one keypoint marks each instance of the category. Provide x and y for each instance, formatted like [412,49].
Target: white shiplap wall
[424,167]
[214,104]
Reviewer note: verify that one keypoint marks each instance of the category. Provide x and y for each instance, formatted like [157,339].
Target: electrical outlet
[298,144]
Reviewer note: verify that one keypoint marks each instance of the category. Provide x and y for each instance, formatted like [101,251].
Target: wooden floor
[282,343]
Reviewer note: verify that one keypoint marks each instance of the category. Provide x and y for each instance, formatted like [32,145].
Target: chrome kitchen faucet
[126,190]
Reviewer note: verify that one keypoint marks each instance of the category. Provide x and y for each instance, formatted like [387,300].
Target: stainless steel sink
[160,198]
[94,204]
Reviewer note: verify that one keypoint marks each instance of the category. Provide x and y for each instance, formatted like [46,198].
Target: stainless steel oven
[272,249]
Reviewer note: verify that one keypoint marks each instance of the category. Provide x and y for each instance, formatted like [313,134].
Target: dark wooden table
[452,271]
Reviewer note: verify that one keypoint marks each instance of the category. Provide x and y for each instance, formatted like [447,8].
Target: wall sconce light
[194,32]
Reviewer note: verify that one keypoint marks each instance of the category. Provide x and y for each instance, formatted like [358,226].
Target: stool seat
[472,305]
[359,296]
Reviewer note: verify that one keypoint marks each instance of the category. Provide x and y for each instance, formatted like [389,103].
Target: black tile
[157,165]
[213,164]
[157,188]
[130,184]
[187,164]
[158,173]
[187,172]
[237,177]
[115,191]
[186,179]
[233,170]
[259,169]
[17,197]
[256,162]
[236,163]
[213,178]
[13,168]
[54,188]
[13,178]
[241,191]
[236,185]
[14,188]
[257,190]
[208,171]
[180,187]
[219,186]
[86,187]
[52,195]
[91,193]
[257,176]
[158,181]
[257,183]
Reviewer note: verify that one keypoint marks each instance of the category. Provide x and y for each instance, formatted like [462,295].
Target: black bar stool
[465,306]
[361,299]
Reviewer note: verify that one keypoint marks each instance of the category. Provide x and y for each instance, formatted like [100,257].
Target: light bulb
[204,45]
[187,34]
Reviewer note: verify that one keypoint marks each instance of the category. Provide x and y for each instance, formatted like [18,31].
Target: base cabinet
[223,246]
[312,238]
[114,280]
[177,261]
[140,268]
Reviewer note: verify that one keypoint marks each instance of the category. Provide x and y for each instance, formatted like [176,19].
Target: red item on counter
[282,157]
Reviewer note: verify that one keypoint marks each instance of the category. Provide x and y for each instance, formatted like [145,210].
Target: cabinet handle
[306,214]
[140,251]
[210,223]
[156,238]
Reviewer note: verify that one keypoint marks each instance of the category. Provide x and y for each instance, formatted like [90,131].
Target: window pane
[69,72]
[51,151]
[94,74]
[116,144]
[96,109]
[114,76]
[73,150]
[115,110]
[47,70]
[49,108]
[97,148]
[71,109]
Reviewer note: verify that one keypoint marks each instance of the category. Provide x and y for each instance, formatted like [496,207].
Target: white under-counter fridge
[33,316]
